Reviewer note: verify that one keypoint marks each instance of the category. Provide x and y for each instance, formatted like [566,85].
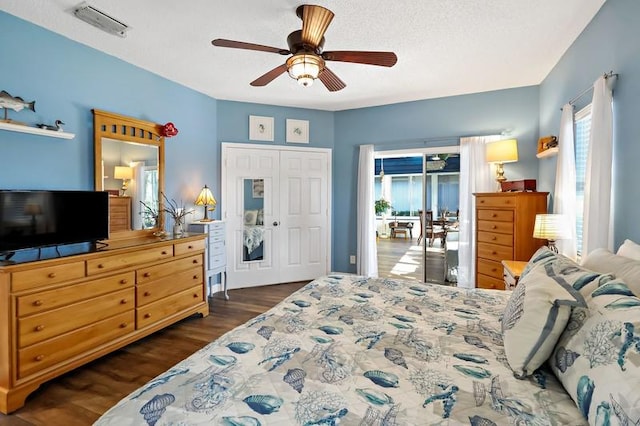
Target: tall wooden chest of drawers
[504,231]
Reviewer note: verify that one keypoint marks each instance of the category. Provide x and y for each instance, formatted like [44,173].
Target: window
[583,132]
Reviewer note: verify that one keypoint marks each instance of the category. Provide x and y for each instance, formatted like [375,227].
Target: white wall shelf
[548,152]
[35,130]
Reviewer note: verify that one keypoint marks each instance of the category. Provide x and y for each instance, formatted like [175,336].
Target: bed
[351,350]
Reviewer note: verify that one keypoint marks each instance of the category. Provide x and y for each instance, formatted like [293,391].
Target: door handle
[276,223]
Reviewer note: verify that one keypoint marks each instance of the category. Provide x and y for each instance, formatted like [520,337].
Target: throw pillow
[535,316]
[250,217]
[598,363]
[629,249]
[603,261]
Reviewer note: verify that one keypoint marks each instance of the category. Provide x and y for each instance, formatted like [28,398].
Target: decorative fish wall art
[15,103]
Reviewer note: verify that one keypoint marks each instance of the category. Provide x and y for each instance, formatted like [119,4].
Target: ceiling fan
[308,61]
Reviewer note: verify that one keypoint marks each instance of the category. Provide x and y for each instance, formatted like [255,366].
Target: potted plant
[382,205]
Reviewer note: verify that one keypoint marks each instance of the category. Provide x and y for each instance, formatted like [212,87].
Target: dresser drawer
[156,290]
[152,273]
[59,349]
[36,328]
[157,311]
[216,234]
[40,277]
[496,201]
[495,215]
[216,261]
[499,227]
[127,260]
[485,281]
[216,249]
[495,238]
[189,247]
[494,252]
[46,300]
[490,268]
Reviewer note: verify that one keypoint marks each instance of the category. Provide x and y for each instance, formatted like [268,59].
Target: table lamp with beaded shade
[205,198]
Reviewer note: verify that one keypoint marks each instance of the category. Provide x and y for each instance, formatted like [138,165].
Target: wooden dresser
[119,214]
[504,231]
[58,314]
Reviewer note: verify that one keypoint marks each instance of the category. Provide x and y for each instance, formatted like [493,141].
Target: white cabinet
[215,252]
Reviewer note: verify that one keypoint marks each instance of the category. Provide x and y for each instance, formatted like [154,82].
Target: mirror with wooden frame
[129,164]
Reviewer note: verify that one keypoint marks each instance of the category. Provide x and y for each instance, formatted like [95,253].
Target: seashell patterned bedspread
[350,350]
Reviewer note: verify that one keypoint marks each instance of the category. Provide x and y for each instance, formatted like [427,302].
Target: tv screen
[38,218]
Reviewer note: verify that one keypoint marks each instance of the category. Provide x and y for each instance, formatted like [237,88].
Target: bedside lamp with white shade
[551,227]
[500,152]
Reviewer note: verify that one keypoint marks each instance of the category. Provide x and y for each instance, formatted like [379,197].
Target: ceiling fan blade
[269,76]
[384,59]
[221,42]
[331,81]
[315,21]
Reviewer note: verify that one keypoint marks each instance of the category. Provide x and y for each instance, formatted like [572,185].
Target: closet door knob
[276,223]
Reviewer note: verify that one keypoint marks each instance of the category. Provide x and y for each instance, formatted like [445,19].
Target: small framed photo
[297,131]
[260,128]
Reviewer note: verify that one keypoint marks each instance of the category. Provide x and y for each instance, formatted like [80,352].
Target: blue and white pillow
[597,358]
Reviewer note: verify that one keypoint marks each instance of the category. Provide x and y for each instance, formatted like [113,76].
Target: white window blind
[583,131]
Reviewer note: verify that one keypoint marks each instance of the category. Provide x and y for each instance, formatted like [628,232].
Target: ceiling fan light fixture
[305,67]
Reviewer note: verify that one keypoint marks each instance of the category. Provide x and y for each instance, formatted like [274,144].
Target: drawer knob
[164,253]
[147,294]
[494,227]
[124,281]
[494,215]
[100,266]
[195,277]
[493,269]
[147,274]
[123,301]
[37,303]
[39,327]
[147,315]
[481,201]
[494,252]
[39,358]
[494,238]
[52,275]
[195,261]
[195,295]
[123,325]
[190,247]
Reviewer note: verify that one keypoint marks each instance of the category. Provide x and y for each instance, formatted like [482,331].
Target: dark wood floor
[402,258]
[82,395]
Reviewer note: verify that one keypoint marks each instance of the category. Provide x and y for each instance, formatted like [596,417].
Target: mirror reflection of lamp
[551,227]
[205,198]
[500,152]
[33,210]
[125,173]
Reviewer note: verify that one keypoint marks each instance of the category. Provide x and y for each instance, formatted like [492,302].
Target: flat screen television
[41,218]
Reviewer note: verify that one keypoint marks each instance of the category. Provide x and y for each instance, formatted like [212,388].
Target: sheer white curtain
[475,176]
[367,260]
[597,228]
[565,190]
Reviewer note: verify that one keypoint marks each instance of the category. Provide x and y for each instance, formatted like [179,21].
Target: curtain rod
[425,141]
[587,90]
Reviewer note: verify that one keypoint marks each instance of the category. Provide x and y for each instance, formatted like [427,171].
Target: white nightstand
[215,254]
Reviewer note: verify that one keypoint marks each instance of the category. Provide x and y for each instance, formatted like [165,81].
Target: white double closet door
[290,190]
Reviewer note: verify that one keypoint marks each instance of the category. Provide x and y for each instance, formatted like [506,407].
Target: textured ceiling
[444,47]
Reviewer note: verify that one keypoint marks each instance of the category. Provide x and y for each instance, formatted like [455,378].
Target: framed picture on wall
[297,131]
[260,128]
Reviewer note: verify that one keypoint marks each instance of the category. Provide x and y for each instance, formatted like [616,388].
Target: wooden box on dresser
[504,231]
[58,314]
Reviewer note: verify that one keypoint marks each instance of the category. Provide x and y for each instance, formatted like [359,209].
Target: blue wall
[434,122]
[67,80]
[610,42]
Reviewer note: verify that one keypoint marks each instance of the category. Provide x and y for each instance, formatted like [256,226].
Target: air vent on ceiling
[98,19]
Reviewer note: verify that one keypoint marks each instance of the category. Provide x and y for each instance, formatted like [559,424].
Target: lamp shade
[551,227]
[122,172]
[205,198]
[504,151]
